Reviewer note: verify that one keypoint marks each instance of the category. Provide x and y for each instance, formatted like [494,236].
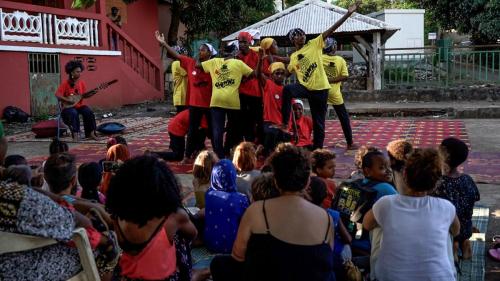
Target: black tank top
[269,258]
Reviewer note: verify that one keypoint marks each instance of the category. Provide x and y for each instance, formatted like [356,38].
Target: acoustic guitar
[77,98]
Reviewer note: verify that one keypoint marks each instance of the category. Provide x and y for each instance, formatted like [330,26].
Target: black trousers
[345,122]
[251,110]
[180,108]
[317,102]
[177,147]
[272,137]
[195,116]
[233,130]
[71,118]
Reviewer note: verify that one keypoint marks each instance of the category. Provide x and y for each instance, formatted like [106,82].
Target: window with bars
[43,63]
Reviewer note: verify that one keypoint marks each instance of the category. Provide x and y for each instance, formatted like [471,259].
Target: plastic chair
[14,242]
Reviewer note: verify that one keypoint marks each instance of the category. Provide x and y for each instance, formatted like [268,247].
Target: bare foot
[352,146]
[455,251]
[466,250]
[187,161]
[75,137]
[200,274]
[93,136]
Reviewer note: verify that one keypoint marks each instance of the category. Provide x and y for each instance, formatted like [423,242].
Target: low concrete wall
[472,93]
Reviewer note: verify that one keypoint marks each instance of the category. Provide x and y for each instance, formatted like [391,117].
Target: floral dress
[25,211]
[462,192]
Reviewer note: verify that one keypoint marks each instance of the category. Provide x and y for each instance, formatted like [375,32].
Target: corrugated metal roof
[314,17]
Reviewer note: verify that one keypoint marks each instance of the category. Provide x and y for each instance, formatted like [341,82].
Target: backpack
[15,114]
[353,200]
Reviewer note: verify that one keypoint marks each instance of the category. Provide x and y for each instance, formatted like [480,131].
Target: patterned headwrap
[266,43]
[275,66]
[330,42]
[223,176]
[294,32]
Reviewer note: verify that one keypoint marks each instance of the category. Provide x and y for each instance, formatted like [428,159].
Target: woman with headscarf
[199,89]
[118,154]
[307,63]
[224,207]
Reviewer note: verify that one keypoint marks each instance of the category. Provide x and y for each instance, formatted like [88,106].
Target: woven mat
[473,270]
[136,127]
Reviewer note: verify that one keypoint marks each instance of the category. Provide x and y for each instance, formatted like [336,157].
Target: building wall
[14,86]
[411,23]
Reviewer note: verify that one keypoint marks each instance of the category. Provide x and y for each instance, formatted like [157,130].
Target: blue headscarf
[223,176]
[224,207]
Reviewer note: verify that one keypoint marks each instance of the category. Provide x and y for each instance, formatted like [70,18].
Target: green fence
[440,66]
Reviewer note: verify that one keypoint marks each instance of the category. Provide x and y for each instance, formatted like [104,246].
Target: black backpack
[353,200]
[15,114]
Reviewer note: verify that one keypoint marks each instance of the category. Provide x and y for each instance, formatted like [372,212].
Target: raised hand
[261,53]
[160,37]
[354,6]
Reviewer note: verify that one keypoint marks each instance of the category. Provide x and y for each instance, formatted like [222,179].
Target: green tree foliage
[370,6]
[480,18]
[202,17]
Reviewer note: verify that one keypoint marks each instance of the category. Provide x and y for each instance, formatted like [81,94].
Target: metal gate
[45,77]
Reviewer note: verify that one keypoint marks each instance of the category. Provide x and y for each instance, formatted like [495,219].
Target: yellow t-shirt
[180,83]
[335,66]
[226,78]
[307,63]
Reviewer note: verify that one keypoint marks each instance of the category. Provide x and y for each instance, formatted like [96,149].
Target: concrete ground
[484,135]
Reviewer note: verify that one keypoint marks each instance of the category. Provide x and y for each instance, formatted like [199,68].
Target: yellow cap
[275,66]
[266,43]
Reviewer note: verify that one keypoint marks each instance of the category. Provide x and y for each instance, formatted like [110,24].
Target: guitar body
[75,99]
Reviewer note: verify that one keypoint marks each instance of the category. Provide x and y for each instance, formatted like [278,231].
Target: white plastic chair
[14,242]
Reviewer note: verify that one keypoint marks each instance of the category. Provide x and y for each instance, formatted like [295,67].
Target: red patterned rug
[484,167]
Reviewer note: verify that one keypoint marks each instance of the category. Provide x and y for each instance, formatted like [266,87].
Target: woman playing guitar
[69,88]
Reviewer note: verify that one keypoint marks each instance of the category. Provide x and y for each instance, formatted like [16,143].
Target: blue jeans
[233,134]
[71,117]
[317,102]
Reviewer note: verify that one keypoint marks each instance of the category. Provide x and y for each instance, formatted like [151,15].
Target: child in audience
[245,160]
[58,146]
[358,159]
[460,190]
[14,159]
[323,165]
[264,187]
[301,137]
[118,154]
[89,177]
[316,193]
[202,169]
[398,151]
[406,253]
[177,130]
[224,207]
[20,174]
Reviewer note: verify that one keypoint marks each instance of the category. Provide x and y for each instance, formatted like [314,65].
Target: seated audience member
[145,218]
[89,178]
[118,154]
[358,160]
[224,207]
[264,187]
[202,169]
[323,165]
[32,213]
[61,175]
[460,190]
[58,146]
[402,219]
[283,238]
[398,151]
[304,126]
[244,161]
[14,159]
[177,130]
[21,174]
[316,192]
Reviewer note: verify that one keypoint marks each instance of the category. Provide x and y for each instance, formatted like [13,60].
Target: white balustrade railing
[48,29]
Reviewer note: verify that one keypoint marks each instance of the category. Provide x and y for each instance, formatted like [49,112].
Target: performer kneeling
[70,115]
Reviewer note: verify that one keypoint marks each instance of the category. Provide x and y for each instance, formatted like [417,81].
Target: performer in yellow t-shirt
[307,64]
[180,96]
[226,74]
[336,71]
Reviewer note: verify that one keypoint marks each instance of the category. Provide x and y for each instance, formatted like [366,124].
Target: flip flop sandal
[494,254]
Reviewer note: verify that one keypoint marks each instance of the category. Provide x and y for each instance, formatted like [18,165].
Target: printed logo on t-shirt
[223,77]
[306,67]
[331,70]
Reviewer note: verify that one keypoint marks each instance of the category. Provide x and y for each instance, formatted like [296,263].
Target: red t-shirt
[265,67]
[330,193]
[250,87]
[304,128]
[199,83]
[179,125]
[65,90]
[272,100]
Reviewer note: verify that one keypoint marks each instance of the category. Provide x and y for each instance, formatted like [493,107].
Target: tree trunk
[173,30]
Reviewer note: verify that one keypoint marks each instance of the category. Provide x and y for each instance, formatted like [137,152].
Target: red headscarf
[245,35]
